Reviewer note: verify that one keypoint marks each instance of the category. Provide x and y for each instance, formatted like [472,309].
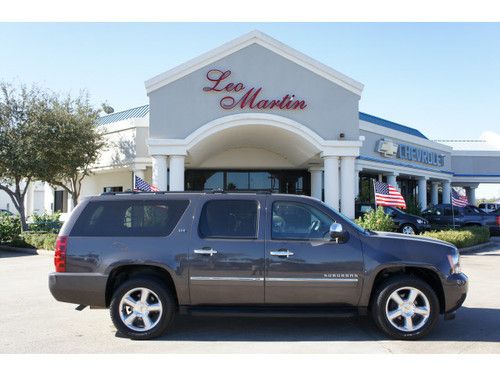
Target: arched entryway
[259,142]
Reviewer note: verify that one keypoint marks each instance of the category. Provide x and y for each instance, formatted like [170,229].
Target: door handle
[281,253]
[205,251]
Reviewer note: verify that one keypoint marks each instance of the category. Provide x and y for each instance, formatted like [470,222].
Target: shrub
[462,237]
[413,207]
[46,223]
[38,240]
[10,228]
[377,220]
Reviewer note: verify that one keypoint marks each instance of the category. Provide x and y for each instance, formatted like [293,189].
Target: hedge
[38,240]
[463,237]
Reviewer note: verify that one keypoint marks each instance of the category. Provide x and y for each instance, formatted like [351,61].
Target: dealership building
[255,114]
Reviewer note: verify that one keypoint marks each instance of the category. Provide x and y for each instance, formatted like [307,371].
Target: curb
[472,249]
[27,250]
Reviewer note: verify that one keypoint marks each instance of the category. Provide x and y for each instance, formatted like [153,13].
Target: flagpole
[374,193]
[452,210]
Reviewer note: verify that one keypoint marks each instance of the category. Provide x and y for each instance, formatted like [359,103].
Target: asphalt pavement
[33,322]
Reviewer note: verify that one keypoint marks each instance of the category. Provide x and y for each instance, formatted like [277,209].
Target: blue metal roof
[138,112]
[391,125]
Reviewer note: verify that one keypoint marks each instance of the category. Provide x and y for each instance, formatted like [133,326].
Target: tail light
[498,221]
[60,254]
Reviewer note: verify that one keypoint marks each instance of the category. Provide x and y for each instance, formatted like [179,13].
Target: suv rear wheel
[142,308]
[405,308]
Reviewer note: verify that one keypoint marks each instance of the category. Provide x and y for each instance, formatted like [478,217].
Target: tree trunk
[74,197]
[22,214]
[17,197]
[75,194]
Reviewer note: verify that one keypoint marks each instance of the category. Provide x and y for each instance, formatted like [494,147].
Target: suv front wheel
[142,308]
[405,308]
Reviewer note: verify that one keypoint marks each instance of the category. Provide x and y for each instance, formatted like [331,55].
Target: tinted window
[229,219]
[389,210]
[293,220]
[447,212]
[129,218]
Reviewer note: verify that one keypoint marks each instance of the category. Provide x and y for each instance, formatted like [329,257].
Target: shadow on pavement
[8,253]
[471,324]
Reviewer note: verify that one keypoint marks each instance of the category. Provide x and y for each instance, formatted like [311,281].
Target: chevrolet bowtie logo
[387,148]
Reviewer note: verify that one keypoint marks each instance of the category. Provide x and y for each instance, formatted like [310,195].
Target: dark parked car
[149,256]
[405,222]
[442,216]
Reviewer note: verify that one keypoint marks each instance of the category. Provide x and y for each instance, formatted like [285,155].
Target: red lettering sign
[251,98]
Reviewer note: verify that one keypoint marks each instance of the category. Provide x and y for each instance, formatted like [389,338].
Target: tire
[156,309]
[408,229]
[384,303]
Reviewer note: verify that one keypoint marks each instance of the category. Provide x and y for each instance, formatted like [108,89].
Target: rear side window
[229,219]
[143,218]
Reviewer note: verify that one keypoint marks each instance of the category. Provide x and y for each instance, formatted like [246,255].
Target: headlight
[420,221]
[454,261]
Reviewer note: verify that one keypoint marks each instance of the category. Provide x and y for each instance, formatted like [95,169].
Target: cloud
[492,139]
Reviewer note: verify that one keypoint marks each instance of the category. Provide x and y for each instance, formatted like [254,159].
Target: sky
[442,78]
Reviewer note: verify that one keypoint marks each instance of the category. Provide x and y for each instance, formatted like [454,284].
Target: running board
[272,311]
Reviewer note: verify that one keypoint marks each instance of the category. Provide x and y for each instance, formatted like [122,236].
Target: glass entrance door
[276,181]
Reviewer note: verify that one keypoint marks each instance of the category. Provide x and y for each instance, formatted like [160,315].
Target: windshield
[349,221]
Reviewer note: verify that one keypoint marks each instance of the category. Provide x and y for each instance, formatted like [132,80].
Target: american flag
[458,200]
[387,195]
[142,185]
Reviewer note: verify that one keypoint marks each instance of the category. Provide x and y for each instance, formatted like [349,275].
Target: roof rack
[209,191]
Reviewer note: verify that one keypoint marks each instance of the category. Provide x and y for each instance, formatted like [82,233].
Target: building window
[113,189]
[60,201]
[277,181]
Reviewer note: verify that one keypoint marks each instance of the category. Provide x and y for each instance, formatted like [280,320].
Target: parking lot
[33,322]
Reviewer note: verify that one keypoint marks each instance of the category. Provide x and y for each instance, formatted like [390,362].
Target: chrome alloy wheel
[407,309]
[408,229]
[140,309]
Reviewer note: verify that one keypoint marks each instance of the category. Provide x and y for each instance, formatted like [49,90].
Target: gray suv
[149,256]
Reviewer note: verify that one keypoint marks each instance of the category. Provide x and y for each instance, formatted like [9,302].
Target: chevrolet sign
[403,151]
[387,148]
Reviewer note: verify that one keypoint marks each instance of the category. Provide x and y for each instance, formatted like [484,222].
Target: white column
[29,200]
[471,195]
[422,192]
[160,171]
[434,192]
[356,181]
[446,191]
[316,182]
[391,179]
[69,204]
[347,179]
[48,198]
[176,179]
[331,180]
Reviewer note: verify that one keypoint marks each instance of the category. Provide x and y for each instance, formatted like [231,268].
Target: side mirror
[337,232]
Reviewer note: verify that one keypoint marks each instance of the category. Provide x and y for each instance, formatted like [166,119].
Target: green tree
[20,110]
[73,142]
